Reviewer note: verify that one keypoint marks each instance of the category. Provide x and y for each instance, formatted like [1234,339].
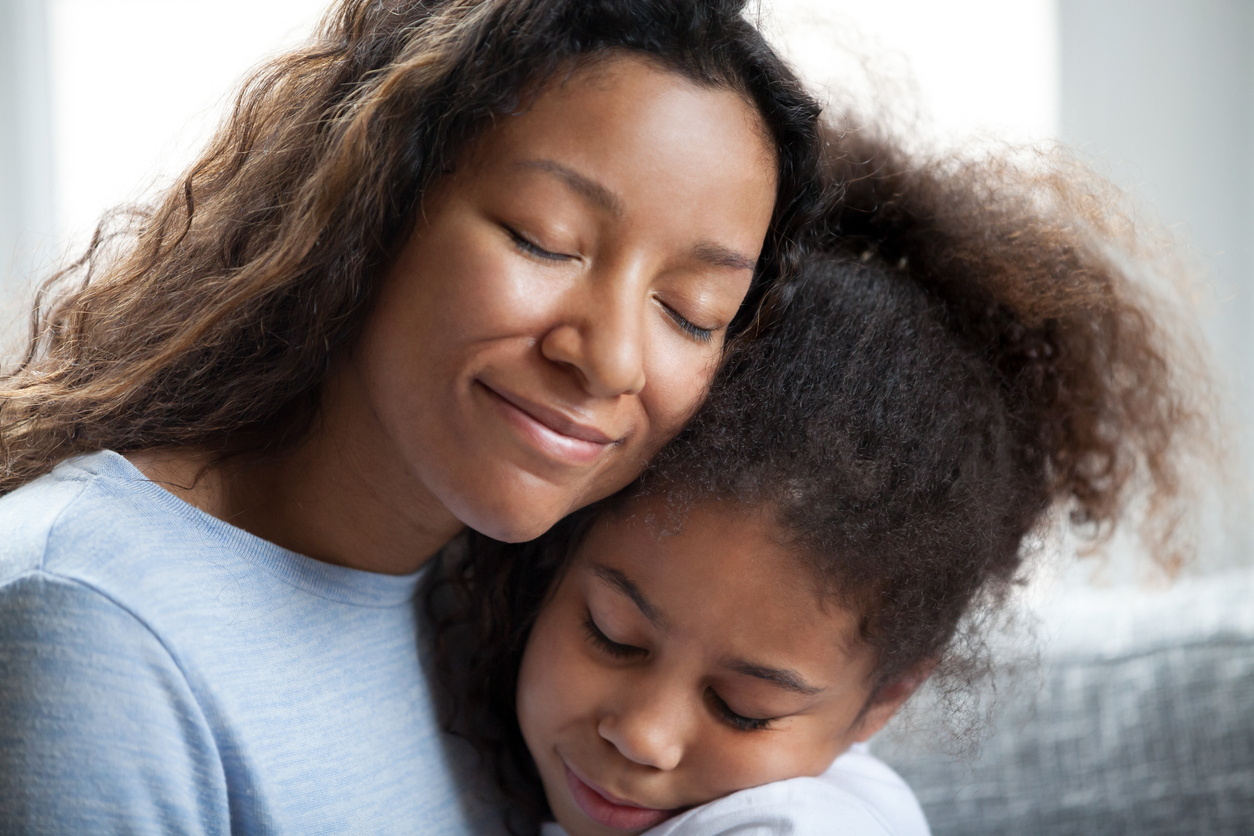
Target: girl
[457,262]
[857,487]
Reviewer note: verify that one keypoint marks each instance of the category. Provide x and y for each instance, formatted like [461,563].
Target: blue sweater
[164,672]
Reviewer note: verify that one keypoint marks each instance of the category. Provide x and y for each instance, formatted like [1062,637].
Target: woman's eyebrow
[623,584]
[720,256]
[788,679]
[591,190]
[604,198]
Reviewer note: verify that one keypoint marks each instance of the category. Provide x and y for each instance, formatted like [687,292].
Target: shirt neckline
[317,577]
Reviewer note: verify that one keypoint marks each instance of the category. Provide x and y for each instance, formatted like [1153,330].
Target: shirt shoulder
[868,778]
[80,674]
[90,512]
[858,796]
[28,516]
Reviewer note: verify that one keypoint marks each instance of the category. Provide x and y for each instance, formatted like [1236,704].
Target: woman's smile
[549,430]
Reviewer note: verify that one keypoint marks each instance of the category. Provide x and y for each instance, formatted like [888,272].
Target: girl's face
[666,671]
[561,305]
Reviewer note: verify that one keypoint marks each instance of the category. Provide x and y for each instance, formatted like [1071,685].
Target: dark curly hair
[209,320]
[964,352]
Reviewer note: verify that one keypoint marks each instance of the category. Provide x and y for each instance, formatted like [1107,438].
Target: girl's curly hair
[965,350]
[209,320]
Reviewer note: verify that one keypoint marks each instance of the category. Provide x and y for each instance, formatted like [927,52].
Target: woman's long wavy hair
[209,319]
[995,358]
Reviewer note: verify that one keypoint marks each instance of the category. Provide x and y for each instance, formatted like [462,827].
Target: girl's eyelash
[605,643]
[626,651]
[532,249]
[703,335]
[735,720]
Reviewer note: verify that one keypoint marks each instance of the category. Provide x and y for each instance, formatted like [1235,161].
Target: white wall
[1160,95]
[26,160]
[138,86]
[965,68]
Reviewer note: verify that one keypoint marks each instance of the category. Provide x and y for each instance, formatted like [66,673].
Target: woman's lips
[609,811]
[554,433]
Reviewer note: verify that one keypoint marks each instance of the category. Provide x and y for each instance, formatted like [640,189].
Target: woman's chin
[513,522]
[514,506]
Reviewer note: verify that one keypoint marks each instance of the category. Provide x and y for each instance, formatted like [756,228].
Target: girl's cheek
[553,674]
[754,760]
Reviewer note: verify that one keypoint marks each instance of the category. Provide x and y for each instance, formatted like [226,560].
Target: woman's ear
[891,698]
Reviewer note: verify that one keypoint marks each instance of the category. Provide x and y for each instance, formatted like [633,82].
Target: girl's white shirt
[859,795]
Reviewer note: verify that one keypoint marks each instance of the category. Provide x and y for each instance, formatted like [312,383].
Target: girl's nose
[602,335]
[650,732]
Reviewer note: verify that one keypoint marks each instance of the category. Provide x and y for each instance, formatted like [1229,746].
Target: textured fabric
[164,672]
[1146,727]
[858,796]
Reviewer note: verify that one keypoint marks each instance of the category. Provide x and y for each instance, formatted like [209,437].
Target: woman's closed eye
[607,645]
[535,250]
[701,335]
[737,721]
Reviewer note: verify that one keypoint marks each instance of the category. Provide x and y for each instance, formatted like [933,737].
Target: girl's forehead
[721,571]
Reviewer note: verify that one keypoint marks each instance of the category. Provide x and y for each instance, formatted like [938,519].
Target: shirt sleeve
[796,807]
[99,730]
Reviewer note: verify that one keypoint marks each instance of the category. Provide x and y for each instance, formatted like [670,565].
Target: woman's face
[561,305]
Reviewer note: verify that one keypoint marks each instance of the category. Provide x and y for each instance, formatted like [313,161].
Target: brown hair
[962,353]
[210,319]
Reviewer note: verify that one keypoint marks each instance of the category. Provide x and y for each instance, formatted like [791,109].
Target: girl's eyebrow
[787,679]
[624,585]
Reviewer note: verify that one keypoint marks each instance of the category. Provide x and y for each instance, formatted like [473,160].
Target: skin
[667,671]
[554,318]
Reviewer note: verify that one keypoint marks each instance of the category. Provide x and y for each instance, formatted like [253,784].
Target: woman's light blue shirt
[162,671]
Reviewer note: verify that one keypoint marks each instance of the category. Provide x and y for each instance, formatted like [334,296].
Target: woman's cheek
[678,376]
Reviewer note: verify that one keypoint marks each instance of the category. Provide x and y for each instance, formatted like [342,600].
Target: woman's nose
[601,335]
[650,731]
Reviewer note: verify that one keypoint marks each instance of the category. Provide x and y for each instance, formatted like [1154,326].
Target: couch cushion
[1143,723]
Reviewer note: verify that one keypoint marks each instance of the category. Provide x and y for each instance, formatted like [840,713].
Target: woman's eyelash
[733,719]
[533,249]
[605,643]
[698,333]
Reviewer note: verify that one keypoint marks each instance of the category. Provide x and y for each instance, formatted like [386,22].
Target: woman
[456,264]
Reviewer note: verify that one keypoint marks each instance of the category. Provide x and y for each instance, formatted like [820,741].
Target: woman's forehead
[633,103]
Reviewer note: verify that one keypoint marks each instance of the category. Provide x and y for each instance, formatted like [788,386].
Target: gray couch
[1138,719]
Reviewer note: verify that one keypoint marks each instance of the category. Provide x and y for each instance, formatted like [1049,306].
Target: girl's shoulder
[859,795]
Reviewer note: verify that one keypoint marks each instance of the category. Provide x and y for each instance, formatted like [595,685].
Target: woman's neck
[327,499]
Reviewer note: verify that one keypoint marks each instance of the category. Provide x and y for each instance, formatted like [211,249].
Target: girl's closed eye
[607,645]
[724,712]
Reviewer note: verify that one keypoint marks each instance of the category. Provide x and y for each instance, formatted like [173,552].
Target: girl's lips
[552,433]
[603,809]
